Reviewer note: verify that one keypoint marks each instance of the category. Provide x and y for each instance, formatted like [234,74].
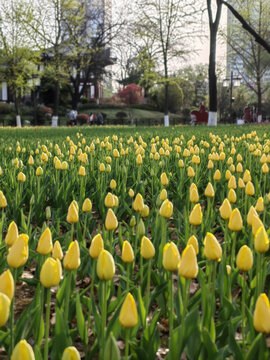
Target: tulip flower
[188,267]
[72,258]
[127,252]
[259,205]
[195,217]
[261,318]
[71,353]
[138,203]
[228,175]
[21,177]
[111,222]
[3,200]
[12,234]
[209,191]
[96,246]
[31,160]
[145,211]
[244,259]
[109,200]
[194,242]
[113,184]
[105,266]
[217,175]
[265,168]
[261,241]
[246,176]
[241,184]
[256,224]
[57,252]
[131,193]
[45,244]
[39,171]
[4,308]
[166,209]
[7,284]
[101,167]
[18,252]
[250,191]
[194,196]
[163,195]
[171,257]
[164,179]
[147,249]
[225,209]
[212,248]
[235,221]
[232,183]
[232,196]
[51,272]
[252,212]
[87,205]
[23,351]
[128,314]
[72,215]
[82,171]
[190,172]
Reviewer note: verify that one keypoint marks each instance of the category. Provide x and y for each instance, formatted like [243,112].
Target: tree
[18,61]
[131,94]
[164,22]
[175,98]
[213,26]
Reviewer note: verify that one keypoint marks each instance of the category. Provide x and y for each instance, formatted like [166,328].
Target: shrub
[44,113]
[131,94]
[6,108]
[121,115]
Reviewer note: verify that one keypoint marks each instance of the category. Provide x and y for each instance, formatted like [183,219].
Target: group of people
[95,119]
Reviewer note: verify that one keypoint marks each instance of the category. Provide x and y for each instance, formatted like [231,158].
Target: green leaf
[234,346]
[37,353]
[80,320]
[111,349]
[61,292]
[209,344]
[141,308]
[254,349]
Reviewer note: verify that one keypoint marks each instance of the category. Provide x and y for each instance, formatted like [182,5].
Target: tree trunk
[166,96]
[212,118]
[259,96]
[17,109]
[75,99]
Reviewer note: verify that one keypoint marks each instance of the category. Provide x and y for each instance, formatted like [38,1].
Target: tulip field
[135,243]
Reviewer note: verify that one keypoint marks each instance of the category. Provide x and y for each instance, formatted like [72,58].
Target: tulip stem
[103,315]
[147,301]
[128,271]
[171,305]
[68,286]
[12,314]
[141,270]
[47,328]
[127,344]
[84,229]
[243,313]
[258,275]
[2,223]
[233,249]
[71,234]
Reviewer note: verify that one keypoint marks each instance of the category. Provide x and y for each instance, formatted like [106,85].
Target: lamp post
[231,83]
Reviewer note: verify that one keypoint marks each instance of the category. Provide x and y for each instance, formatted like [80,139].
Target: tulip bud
[261,241]
[71,353]
[7,284]
[31,160]
[57,252]
[72,258]
[138,203]
[105,266]
[82,171]
[259,205]
[4,308]
[232,196]
[18,252]
[246,176]
[51,272]
[209,191]
[101,167]
[12,234]
[190,172]
[87,205]
[72,215]
[21,177]
[39,171]
[212,248]
[127,252]
[261,319]
[217,175]
[132,222]
[131,193]
[113,184]
[164,179]
[252,212]
[188,267]
[166,209]
[244,259]
[228,175]
[228,269]
[194,242]
[225,209]
[96,246]
[3,200]
[163,195]
[145,211]
[250,191]
[109,200]
[147,250]
[241,184]
[265,169]
[171,257]
[128,314]
[256,224]
[193,195]
[111,222]
[235,222]
[195,217]
[45,245]
[232,183]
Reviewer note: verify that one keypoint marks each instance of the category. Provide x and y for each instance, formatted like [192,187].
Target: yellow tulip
[111,222]
[138,203]
[128,314]
[23,351]
[31,160]
[235,221]
[194,242]
[250,191]
[244,259]
[212,248]
[195,217]
[96,246]
[127,252]
[131,193]
[21,177]
[256,224]
[39,171]
[105,266]
[18,252]
[145,211]
[259,205]
[57,252]
[12,234]
[113,184]
[71,353]
[87,205]
[252,212]
[261,241]
[166,209]
[171,257]
[51,272]
[246,176]
[241,184]
[4,308]
[164,179]
[265,169]
[232,196]
[210,164]
[228,175]
[116,201]
[101,167]
[72,258]
[261,319]
[232,183]
[139,159]
[228,269]
[209,191]
[190,172]
[82,171]
[72,215]
[188,266]
[225,209]
[217,175]
[7,284]
[239,168]
[193,195]
[163,195]
[109,200]
[147,250]
[45,245]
